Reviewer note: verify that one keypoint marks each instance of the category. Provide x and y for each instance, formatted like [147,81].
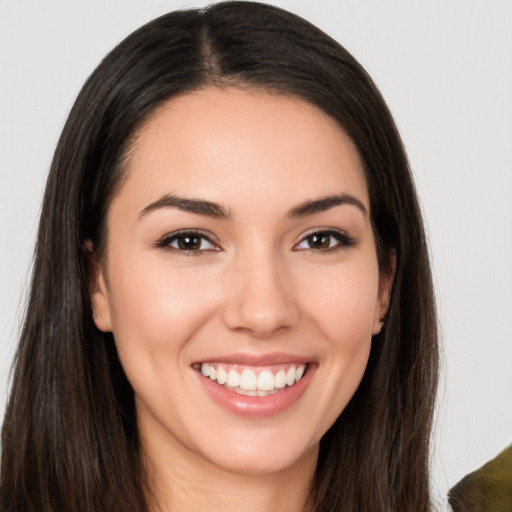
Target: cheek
[343,301]
[338,306]
[155,312]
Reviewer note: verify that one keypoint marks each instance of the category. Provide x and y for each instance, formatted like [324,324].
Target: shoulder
[487,489]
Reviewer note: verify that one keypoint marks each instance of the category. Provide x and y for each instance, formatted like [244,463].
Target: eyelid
[345,240]
[164,241]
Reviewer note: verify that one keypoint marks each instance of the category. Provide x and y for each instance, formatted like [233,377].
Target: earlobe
[100,304]
[385,287]
[98,291]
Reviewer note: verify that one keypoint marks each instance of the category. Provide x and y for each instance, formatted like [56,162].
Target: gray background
[445,68]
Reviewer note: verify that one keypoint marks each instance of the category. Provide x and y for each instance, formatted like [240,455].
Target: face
[240,278]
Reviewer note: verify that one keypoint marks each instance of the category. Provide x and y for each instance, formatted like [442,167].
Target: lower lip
[257,406]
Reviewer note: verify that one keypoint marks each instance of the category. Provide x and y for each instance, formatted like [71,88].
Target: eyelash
[166,241]
[343,241]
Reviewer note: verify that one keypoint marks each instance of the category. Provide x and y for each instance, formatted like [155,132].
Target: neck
[182,480]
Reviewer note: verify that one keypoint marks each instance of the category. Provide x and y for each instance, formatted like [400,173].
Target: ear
[98,290]
[385,286]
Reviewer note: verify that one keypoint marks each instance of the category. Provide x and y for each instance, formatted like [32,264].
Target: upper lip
[257,359]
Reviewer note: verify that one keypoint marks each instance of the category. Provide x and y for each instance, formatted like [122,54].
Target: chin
[262,453]
[262,463]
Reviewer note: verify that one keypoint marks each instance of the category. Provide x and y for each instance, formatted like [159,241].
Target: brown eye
[325,241]
[187,242]
[320,241]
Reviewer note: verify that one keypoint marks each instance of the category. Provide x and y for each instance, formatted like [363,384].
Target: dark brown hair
[69,438]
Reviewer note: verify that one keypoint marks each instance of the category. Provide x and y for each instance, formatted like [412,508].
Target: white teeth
[248,380]
[257,392]
[222,376]
[266,381]
[280,379]
[300,372]
[233,379]
[250,383]
[247,392]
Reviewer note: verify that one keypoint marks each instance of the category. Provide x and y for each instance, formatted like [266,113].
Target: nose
[260,296]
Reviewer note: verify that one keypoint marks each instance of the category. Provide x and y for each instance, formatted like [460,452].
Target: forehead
[238,143]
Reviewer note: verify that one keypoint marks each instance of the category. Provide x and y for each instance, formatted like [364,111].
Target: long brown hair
[69,438]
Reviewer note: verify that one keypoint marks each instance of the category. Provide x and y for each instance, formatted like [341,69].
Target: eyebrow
[325,203]
[215,210]
[198,206]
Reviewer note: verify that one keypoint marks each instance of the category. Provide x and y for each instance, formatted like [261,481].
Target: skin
[257,287]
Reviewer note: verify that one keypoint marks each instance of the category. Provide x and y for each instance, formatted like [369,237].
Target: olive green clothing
[488,489]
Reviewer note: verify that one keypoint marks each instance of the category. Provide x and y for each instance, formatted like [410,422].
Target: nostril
[261,319]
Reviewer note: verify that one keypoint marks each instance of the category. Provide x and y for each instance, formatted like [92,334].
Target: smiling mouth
[251,381]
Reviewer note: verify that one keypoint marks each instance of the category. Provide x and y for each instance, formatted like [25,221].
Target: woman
[231,300]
